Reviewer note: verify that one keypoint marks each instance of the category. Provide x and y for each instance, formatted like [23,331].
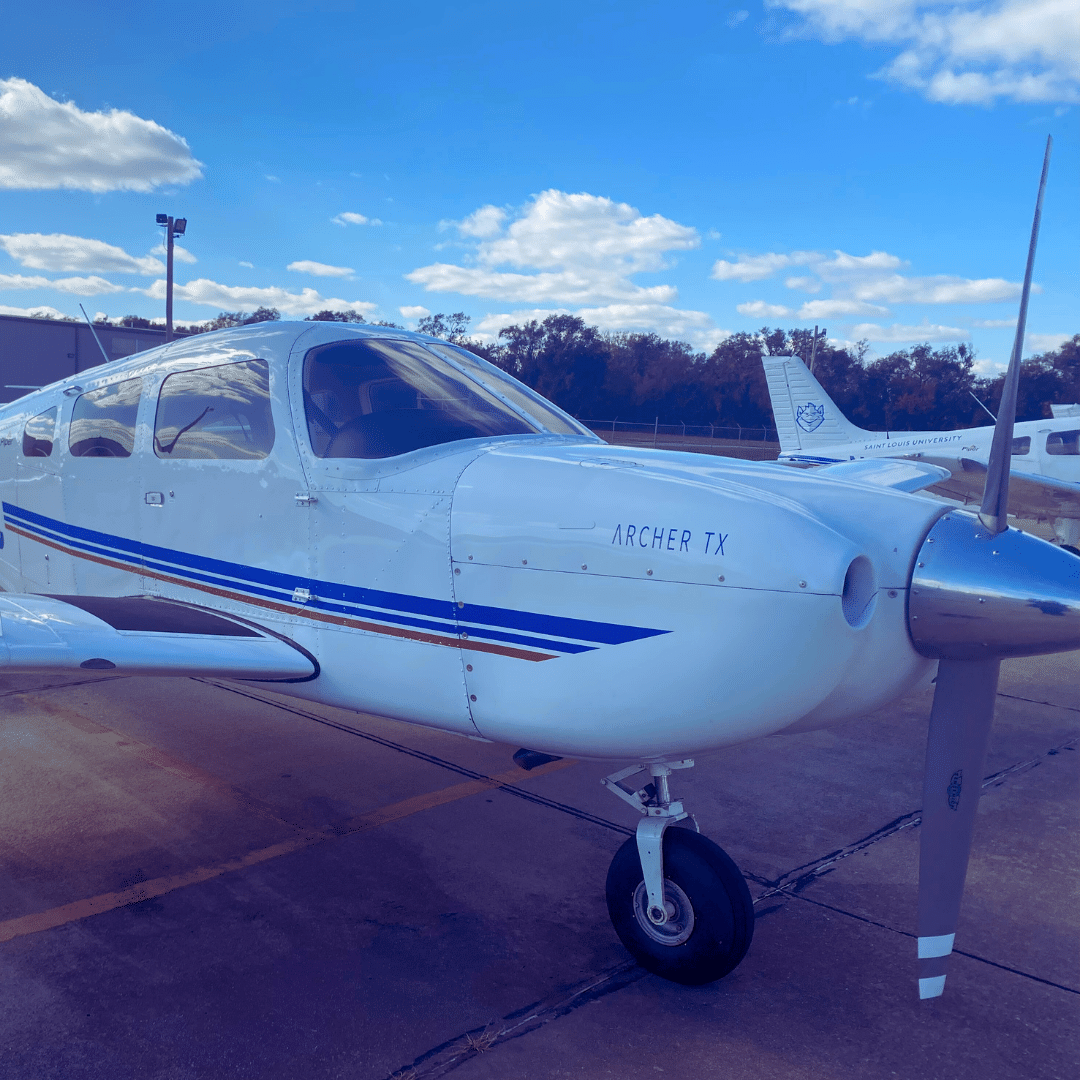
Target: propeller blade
[995,504]
[960,722]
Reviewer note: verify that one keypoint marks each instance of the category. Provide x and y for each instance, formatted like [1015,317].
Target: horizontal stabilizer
[141,635]
[888,473]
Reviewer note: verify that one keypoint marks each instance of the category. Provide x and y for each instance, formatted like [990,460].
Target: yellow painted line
[146,890]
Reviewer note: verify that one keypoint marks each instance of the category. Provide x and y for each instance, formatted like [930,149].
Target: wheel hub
[679,924]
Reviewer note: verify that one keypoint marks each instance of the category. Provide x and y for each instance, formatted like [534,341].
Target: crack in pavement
[442,1059]
[456,1051]
[795,880]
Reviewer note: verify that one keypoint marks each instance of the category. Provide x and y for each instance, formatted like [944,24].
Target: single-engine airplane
[385,522]
[1045,480]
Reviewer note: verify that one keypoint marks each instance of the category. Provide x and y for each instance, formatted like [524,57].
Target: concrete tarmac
[211,880]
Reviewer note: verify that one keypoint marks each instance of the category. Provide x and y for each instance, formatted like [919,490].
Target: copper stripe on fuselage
[296,611]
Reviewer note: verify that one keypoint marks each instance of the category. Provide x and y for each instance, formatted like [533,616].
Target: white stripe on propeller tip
[930,988]
[939,945]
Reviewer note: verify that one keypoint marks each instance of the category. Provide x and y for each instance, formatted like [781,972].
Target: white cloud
[568,287]
[753,267]
[250,266]
[42,311]
[245,297]
[414,311]
[562,231]
[1040,343]
[737,17]
[79,286]
[76,254]
[827,309]
[483,223]
[52,144]
[585,248]
[859,284]
[318,269]
[758,309]
[695,327]
[995,324]
[348,217]
[900,333]
[969,52]
[180,254]
[572,253]
[941,289]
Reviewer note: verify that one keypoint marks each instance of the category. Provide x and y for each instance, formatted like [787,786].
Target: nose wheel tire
[710,914]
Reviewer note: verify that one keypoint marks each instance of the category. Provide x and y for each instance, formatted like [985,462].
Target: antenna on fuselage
[982,406]
[104,354]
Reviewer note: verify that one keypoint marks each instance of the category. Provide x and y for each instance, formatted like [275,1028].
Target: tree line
[639,377]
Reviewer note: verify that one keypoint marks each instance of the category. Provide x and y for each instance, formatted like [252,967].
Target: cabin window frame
[156,404]
[1067,443]
[28,438]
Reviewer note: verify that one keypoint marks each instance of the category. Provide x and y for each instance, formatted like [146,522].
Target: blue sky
[686,168]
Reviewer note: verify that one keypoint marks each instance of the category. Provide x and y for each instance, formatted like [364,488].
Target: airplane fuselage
[1039,446]
[498,587]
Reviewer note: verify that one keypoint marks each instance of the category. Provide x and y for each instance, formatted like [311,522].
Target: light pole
[173,228]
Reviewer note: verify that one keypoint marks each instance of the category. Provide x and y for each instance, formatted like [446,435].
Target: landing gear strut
[677,901]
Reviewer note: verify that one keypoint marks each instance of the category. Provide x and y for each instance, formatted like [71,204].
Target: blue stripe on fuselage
[335,596]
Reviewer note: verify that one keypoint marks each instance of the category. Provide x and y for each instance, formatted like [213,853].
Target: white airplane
[1045,481]
[381,521]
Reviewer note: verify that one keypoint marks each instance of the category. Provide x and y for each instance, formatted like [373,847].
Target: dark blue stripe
[387,606]
[356,612]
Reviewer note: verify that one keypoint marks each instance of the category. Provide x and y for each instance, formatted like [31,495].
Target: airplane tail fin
[806,417]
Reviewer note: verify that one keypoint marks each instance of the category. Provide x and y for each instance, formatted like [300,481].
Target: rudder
[806,417]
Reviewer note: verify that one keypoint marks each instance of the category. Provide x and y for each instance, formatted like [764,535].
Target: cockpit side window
[1021,446]
[103,421]
[1063,442]
[37,440]
[378,398]
[215,412]
[551,417]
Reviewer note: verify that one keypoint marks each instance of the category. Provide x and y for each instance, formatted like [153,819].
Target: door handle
[155,498]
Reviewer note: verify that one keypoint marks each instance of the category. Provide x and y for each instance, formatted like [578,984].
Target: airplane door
[1059,453]
[102,490]
[39,491]
[382,593]
[221,525]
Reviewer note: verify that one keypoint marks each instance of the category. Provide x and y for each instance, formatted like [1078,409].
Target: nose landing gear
[677,901]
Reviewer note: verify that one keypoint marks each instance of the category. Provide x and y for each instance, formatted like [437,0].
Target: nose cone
[975,595]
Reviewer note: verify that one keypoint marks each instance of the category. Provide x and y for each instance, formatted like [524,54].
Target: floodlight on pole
[173,228]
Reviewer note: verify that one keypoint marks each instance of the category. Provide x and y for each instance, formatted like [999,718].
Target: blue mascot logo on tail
[810,416]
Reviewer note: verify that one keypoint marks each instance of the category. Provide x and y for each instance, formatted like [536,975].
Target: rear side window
[1063,442]
[37,440]
[103,421]
[215,412]
[1021,446]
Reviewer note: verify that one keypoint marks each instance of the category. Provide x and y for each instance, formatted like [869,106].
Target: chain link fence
[755,444]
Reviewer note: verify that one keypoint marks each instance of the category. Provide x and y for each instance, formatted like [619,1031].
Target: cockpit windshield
[519,395]
[377,398]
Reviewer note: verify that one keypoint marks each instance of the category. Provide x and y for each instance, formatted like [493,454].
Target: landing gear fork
[658,811]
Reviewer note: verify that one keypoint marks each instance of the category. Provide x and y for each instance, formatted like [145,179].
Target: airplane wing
[141,635]
[901,475]
[1030,495]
